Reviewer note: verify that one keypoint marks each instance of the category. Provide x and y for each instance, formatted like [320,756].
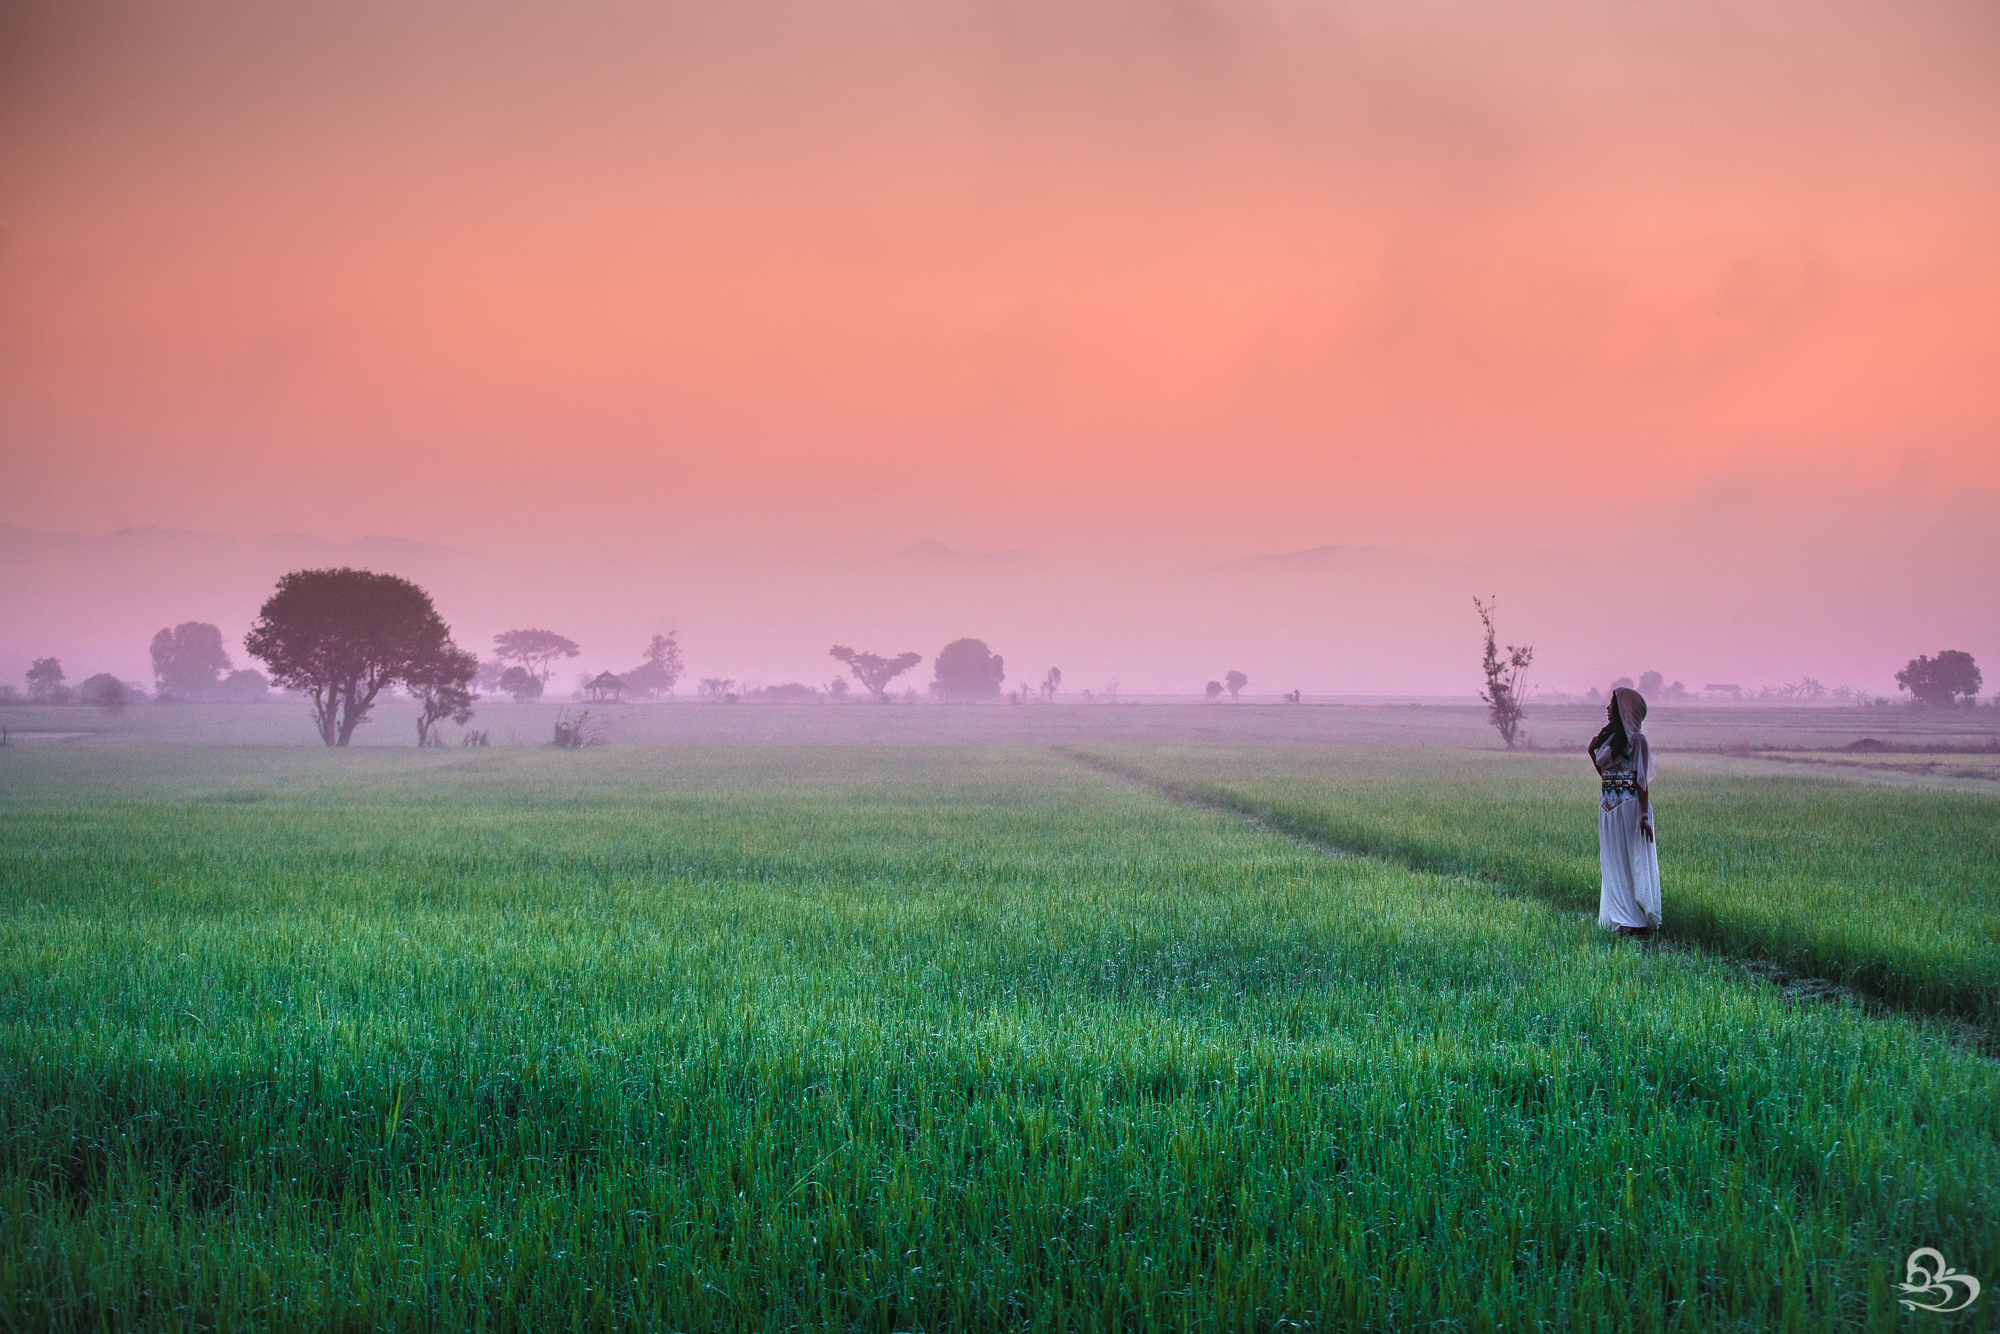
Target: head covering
[1631,708]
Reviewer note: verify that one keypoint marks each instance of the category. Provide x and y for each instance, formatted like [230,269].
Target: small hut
[605,687]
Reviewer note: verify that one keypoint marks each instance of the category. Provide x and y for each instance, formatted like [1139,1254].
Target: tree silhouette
[188,660]
[442,687]
[1503,678]
[342,637]
[535,650]
[967,671]
[661,669]
[1939,681]
[874,671]
[522,684]
[1235,681]
[45,682]
[104,690]
[1213,690]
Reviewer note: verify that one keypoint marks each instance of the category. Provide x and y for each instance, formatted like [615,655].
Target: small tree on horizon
[1504,677]
[1051,684]
[534,650]
[661,669]
[45,682]
[343,636]
[1938,682]
[874,671]
[102,690]
[522,684]
[1235,681]
[967,671]
[1213,690]
[188,661]
[442,687]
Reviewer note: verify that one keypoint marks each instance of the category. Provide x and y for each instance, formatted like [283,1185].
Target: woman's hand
[1646,827]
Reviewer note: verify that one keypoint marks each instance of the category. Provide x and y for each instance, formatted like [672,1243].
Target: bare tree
[1504,677]
[716,689]
[1051,684]
[875,672]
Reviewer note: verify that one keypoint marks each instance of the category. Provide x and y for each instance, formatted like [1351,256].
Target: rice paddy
[874,1037]
[1892,891]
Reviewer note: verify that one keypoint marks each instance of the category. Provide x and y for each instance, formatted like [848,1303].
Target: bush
[574,733]
[103,690]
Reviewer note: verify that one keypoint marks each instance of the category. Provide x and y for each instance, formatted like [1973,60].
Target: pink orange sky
[1159,281]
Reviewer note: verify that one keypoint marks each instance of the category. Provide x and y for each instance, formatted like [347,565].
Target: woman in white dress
[1629,902]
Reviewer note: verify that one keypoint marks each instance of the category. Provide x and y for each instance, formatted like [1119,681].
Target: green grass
[890,1040]
[1892,891]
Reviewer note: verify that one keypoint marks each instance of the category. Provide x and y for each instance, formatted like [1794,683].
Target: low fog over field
[1331,620]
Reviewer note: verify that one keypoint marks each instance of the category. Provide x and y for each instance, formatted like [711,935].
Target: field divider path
[1794,985]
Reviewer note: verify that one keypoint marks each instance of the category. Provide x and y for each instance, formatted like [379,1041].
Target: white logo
[1929,1275]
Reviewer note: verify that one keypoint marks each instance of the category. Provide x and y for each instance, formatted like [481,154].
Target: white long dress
[1630,861]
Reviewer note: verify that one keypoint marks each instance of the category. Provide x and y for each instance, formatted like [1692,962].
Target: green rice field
[899,1037]
[1894,892]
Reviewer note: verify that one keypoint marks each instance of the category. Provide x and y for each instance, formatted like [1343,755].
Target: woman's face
[1611,709]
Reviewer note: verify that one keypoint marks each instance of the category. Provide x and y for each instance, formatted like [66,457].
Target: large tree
[341,637]
[967,671]
[188,660]
[875,672]
[1235,681]
[1941,680]
[442,687]
[535,650]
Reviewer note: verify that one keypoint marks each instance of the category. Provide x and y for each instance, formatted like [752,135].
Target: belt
[1622,784]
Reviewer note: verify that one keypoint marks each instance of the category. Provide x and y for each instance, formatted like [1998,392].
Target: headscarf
[1628,714]
[1631,710]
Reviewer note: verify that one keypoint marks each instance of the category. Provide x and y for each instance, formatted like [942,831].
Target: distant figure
[1630,899]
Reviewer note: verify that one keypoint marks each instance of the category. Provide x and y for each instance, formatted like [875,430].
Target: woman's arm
[1642,760]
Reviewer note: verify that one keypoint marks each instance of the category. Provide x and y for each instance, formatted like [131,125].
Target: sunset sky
[1712,287]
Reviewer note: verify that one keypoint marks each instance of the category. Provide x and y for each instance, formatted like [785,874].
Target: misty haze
[1143,666]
